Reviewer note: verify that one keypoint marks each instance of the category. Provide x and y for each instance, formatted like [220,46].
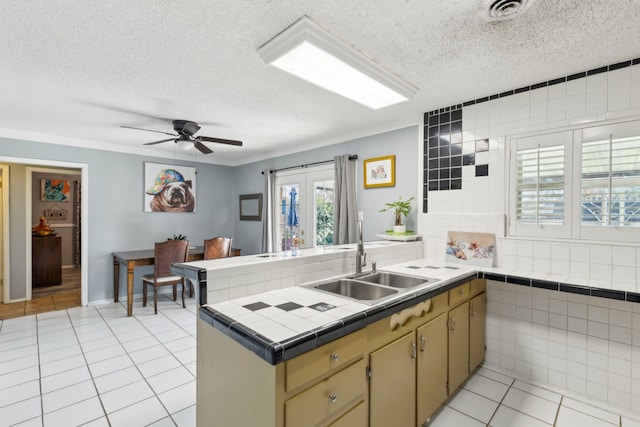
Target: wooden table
[133,259]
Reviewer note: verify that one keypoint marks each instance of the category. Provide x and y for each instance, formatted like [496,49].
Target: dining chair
[217,247]
[165,254]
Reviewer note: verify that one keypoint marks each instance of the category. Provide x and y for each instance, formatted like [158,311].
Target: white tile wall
[589,346]
[481,204]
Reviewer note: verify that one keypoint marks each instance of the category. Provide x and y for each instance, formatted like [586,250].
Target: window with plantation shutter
[539,177]
[540,186]
[582,184]
[611,182]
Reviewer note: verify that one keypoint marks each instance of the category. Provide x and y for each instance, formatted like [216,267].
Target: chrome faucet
[361,256]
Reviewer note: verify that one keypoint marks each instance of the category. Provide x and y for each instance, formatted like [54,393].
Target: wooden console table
[133,259]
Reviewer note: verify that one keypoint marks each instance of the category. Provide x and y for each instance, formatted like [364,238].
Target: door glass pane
[289,215]
[323,207]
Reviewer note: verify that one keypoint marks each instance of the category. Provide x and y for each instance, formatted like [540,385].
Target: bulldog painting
[171,193]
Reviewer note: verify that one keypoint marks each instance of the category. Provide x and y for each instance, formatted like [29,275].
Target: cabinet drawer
[459,294]
[336,393]
[478,286]
[356,417]
[322,360]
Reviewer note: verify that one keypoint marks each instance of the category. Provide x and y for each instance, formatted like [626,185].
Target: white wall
[587,345]
[481,204]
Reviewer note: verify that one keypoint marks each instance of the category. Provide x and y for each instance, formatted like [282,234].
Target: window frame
[573,138]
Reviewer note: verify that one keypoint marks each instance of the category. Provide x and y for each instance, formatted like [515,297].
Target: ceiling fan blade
[159,142]
[220,140]
[202,148]
[149,130]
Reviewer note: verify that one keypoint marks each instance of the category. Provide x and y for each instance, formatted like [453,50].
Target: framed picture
[169,188]
[251,207]
[55,190]
[380,172]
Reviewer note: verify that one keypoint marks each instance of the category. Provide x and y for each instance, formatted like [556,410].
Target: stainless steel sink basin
[394,280]
[355,289]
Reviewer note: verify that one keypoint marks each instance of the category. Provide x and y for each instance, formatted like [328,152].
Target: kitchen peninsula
[297,356]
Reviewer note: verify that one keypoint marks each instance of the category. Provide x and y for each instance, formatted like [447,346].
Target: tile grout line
[555,420]
[513,380]
[136,365]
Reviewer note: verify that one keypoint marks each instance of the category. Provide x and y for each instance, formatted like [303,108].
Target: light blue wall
[116,218]
[403,143]
[115,192]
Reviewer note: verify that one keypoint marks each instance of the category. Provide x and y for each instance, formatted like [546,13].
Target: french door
[304,205]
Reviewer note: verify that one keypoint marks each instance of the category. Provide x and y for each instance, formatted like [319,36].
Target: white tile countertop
[284,323]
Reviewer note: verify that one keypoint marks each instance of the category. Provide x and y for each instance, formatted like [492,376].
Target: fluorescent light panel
[310,53]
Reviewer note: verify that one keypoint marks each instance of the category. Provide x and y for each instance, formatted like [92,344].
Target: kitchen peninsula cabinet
[431,373]
[391,372]
[393,376]
[477,330]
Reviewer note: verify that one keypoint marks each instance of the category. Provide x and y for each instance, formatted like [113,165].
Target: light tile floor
[490,398]
[94,366]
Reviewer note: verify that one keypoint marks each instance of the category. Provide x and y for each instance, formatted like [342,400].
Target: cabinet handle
[473,310]
[335,357]
[423,343]
[452,323]
[414,350]
[400,319]
[333,398]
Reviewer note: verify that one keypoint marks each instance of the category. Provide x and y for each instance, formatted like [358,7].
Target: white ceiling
[72,72]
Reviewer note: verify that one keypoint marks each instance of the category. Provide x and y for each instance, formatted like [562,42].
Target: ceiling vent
[500,10]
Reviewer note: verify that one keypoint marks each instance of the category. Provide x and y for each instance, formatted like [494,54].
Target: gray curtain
[345,210]
[268,237]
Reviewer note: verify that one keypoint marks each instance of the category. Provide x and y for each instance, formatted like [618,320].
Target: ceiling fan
[185,137]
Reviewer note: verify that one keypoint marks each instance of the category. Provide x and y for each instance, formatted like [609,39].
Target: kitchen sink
[394,280]
[356,289]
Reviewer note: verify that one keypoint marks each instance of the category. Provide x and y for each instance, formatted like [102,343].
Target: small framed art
[380,172]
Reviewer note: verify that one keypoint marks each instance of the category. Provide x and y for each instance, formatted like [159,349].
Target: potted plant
[400,208]
[177,237]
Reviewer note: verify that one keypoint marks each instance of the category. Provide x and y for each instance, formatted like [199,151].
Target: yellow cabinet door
[477,318]
[431,374]
[458,327]
[392,393]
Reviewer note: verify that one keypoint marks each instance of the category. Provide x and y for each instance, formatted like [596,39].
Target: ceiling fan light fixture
[312,54]
[184,144]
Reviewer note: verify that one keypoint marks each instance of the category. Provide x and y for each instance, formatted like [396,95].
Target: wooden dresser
[46,261]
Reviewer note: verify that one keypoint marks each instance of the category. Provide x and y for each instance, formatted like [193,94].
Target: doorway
[17,248]
[55,261]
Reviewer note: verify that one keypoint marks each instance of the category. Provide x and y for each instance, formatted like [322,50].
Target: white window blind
[610,193]
[540,185]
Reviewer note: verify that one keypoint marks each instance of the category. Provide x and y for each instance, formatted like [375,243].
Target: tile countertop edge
[276,352]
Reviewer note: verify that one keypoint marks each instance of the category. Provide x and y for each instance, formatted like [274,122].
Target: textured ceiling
[72,72]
